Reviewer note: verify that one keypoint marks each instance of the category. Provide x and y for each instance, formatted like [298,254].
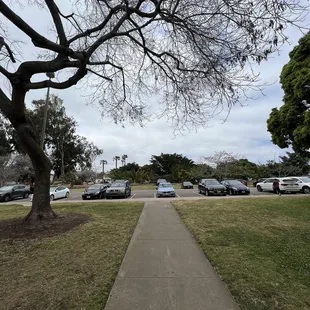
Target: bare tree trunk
[15,111]
[41,207]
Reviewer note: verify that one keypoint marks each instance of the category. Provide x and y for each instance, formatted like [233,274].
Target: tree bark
[41,207]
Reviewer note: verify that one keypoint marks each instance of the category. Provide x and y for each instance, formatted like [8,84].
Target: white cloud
[244,132]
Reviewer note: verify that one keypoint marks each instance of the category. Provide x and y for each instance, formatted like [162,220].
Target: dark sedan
[96,191]
[211,187]
[8,193]
[188,185]
[235,187]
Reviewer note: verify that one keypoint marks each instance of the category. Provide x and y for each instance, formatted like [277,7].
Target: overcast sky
[244,132]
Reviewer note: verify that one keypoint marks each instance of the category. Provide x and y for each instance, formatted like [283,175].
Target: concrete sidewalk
[164,269]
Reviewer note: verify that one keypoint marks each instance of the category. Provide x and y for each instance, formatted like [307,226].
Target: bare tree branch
[57,21]
[6,73]
[100,75]
[37,39]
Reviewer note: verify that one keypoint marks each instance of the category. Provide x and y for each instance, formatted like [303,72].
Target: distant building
[103,180]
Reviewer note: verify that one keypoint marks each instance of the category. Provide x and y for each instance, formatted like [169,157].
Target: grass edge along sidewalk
[73,270]
[259,247]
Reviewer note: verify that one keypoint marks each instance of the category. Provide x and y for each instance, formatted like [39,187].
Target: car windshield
[6,188]
[118,185]
[212,182]
[235,182]
[305,179]
[165,185]
[95,186]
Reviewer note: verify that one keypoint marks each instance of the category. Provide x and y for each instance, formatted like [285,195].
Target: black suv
[11,192]
[211,187]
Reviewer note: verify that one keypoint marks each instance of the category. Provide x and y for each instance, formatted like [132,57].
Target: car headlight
[247,188]
[97,193]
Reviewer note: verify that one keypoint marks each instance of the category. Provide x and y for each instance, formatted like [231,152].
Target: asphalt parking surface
[143,194]
[150,194]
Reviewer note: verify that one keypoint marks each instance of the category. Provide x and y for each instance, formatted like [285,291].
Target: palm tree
[116,158]
[124,157]
[103,162]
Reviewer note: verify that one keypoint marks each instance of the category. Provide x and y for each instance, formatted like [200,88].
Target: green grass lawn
[260,247]
[74,270]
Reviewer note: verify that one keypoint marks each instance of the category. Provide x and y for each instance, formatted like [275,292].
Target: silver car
[118,189]
[165,190]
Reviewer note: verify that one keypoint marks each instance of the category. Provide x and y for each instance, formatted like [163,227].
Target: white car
[287,184]
[303,183]
[57,193]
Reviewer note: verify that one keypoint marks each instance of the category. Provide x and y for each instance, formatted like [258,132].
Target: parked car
[165,190]
[235,187]
[12,192]
[303,183]
[161,181]
[96,191]
[118,189]
[211,187]
[285,184]
[187,184]
[258,181]
[57,192]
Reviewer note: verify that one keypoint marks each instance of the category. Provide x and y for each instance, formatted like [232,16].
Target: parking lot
[76,195]
[180,193]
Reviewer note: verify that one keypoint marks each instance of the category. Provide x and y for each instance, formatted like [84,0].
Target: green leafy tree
[289,125]
[163,165]
[5,145]
[201,171]
[67,150]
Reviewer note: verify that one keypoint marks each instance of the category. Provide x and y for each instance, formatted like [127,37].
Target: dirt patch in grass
[16,229]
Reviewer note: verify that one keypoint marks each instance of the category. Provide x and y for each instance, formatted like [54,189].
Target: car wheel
[259,188]
[6,198]
[67,194]
[83,198]
[26,195]
[52,197]
[306,190]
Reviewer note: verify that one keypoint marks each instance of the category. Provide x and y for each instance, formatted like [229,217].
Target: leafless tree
[13,166]
[195,54]
[220,161]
